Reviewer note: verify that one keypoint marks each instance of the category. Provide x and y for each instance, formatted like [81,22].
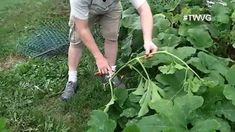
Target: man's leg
[111,49]
[74,57]
[110,24]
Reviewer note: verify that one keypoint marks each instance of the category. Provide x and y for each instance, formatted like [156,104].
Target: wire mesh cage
[48,39]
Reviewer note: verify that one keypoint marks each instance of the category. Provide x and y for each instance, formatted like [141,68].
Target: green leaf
[140,89]
[233,16]
[183,30]
[224,125]
[214,77]
[208,125]
[156,91]
[178,113]
[170,69]
[179,67]
[230,76]
[99,122]
[157,59]
[161,23]
[212,96]
[151,123]
[181,52]
[151,95]
[167,69]
[129,112]
[134,98]
[171,5]
[226,109]
[2,124]
[166,39]
[207,63]
[128,12]
[127,43]
[206,115]
[131,128]
[199,37]
[121,95]
[232,35]
[144,102]
[229,93]
[184,52]
[131,21]
[172,84]
[220,13]
[172,116]
[193,84]
[214,31]
[186,104]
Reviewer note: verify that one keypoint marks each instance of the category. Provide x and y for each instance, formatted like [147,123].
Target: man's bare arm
[85,35]
[146,19]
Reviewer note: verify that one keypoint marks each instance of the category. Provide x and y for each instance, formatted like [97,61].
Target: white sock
[113,68]
[72,76]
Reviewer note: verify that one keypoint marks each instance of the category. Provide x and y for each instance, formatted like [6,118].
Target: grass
[30,88]
[20,18]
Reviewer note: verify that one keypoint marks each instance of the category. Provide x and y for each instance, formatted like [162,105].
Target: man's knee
[111,41]
[76,45]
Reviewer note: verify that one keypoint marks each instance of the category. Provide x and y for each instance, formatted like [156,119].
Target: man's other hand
[102,65]
[150,49]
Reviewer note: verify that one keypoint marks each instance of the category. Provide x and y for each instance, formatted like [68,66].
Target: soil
[10,61]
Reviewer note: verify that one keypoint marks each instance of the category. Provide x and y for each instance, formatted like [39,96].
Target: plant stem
[138,71]
[168,53]
[141,64]
[138,59]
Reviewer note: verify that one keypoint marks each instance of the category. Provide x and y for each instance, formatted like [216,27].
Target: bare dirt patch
[10,61]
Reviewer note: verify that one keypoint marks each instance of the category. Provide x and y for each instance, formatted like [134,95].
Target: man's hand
[102,65]
[150,49]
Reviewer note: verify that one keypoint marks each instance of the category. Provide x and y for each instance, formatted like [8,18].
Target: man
[107,13]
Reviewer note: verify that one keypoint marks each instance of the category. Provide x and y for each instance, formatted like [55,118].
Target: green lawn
[9,3]
[30,88]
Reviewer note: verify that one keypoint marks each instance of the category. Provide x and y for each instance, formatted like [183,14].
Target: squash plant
[188,85]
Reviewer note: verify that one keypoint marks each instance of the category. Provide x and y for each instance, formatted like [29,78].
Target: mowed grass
[30,88]
[9,3]
[19,18]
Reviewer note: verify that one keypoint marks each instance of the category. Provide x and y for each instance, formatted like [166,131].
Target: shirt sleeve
[137,3]
[79,9]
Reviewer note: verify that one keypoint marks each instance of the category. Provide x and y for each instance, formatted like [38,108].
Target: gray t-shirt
[81,8]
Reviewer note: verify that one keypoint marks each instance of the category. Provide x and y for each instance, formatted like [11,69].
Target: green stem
[112,97]
[138,72]
[138,59]
[168,53]
[141,64]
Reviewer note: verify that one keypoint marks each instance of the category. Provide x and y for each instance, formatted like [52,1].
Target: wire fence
[49,38]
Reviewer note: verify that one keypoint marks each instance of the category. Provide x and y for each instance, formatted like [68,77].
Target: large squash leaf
[100,122]
[207,63]
[230,76]
[199,37]
[172,116]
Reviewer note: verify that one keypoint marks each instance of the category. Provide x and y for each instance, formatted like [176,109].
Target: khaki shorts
[109,25]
